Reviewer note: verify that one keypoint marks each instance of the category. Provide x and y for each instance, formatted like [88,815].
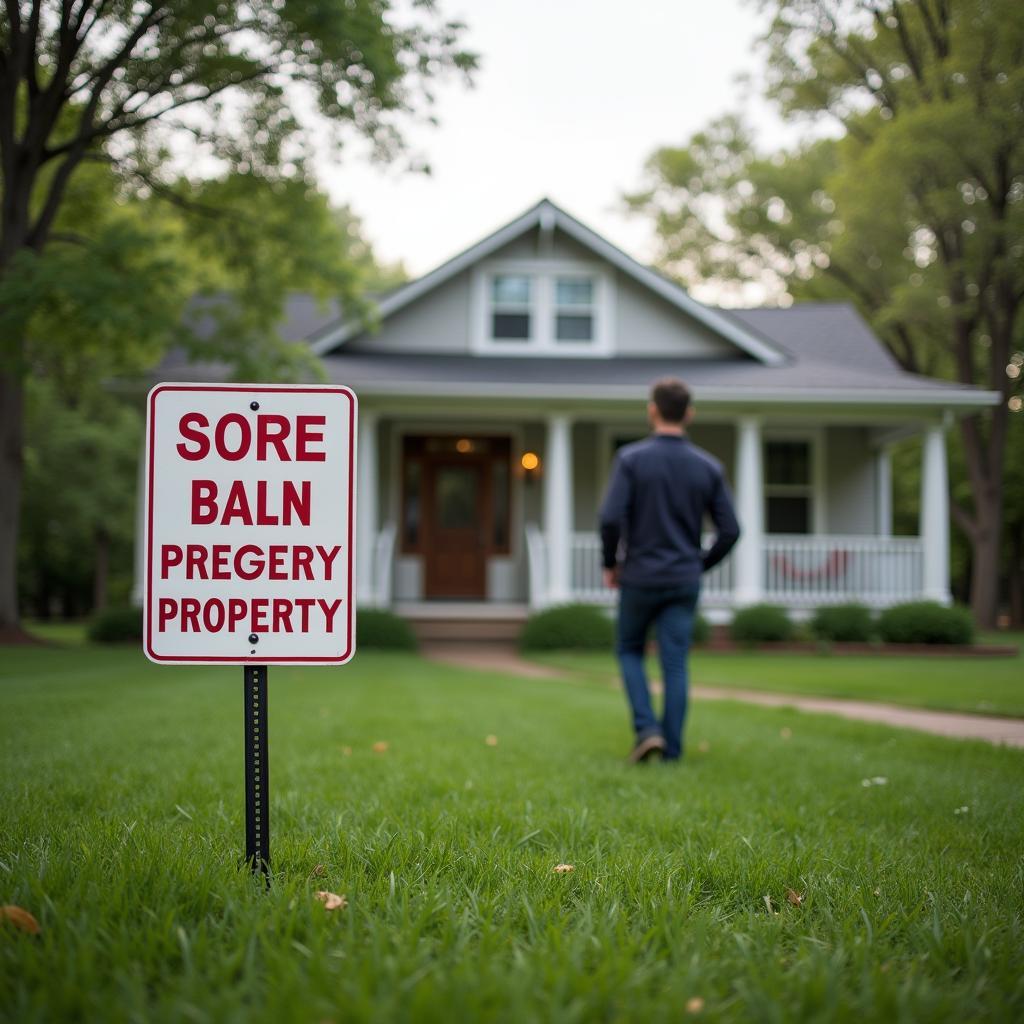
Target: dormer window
[511,308]
[529,307]
[574,309]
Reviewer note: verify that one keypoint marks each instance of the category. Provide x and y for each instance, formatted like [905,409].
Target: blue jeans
[671,610]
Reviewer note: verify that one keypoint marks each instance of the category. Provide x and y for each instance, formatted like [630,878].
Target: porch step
[465,630]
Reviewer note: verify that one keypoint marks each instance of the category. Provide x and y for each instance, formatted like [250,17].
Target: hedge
[384,630]
[701,630]
[582,627]
[116,625]
[926,622]
[760,624]
[843,623]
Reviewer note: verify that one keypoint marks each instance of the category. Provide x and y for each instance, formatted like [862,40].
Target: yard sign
[250,492]
[249,524]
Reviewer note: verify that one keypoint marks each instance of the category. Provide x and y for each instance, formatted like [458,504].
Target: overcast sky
[570,99]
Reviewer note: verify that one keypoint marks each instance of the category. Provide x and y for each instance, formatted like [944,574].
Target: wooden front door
[455,531]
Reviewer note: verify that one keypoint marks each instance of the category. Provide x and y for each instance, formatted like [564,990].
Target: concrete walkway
[990,728]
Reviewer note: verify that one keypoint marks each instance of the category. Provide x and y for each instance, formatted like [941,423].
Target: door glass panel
[499,493]
[411,508]
[456,489]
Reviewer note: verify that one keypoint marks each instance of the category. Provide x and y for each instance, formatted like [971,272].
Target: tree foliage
[912,206]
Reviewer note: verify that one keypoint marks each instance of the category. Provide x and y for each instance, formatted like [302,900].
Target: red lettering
[237,507]
[213,622]
[304,604]
[170,555]
[302,558]
[328,557]
[282,615]
[186,431]
[329,611]
[304,435]
[204,502]
[245,437]
[195,558]
[265,438]
[277,569]
[263,517]
[236,612]
[293,503]
[220,569]
[189,614]
[168,610]
[255,566]
[259,614]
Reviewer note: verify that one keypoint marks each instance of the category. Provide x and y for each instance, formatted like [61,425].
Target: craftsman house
[496,389]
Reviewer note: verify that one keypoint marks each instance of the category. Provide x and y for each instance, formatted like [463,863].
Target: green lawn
[121,829]
[991,685]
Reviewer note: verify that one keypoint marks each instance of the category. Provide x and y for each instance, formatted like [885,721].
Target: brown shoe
[645,747]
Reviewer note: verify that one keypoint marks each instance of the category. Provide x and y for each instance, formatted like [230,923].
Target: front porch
[448,511]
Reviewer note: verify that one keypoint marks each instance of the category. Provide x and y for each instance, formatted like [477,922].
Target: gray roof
[832,356]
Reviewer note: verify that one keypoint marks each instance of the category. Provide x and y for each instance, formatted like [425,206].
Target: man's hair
[672,398]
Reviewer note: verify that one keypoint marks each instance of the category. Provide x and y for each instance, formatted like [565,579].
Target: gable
[538,259]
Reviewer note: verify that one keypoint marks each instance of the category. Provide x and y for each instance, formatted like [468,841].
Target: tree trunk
[12,426]
[985,563]
[101,570]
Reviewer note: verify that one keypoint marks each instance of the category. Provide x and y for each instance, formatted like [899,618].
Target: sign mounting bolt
[254,406]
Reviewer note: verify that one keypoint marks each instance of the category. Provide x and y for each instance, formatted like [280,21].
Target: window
[574,309]
[524,307]
[788,487]
[511,310]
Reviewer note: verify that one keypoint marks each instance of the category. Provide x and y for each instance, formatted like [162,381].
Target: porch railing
[797,570]
[830,569]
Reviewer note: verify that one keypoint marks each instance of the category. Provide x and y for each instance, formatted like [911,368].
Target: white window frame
[542,340]
[814,438]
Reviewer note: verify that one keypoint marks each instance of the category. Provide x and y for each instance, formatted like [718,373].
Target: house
[498,386]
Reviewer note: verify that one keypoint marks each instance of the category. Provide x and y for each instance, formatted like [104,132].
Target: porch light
[530,461]
[463,446]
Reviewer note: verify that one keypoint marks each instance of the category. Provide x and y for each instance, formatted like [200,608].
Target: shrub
[926,622]
[116,625]
[760,624]
[850,623]
[582,627]
[701,630]
[385,630]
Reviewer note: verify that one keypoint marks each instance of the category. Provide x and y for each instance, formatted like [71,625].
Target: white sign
[250,492]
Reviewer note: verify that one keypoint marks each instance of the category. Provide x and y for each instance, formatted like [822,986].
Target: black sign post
[257,778]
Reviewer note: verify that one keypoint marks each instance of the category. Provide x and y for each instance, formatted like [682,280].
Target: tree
[915,211]
[240,86]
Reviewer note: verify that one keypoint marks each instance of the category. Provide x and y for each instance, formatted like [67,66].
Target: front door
[455,527]
[455,510]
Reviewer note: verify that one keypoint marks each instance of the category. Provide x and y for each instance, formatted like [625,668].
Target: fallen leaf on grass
[21,919]
[563,869]
[703,746]
[346,751]
[794,897]
[381,747]
[317,871]
[768,904]
[332,901]
[694,1004]
[491,741]
[786,733]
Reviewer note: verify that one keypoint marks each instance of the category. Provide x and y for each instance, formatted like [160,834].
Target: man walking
[660,490]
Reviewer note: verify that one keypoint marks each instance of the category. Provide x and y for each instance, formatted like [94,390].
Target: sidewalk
[989,728]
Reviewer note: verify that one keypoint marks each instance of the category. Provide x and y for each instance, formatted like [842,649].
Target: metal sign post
[250,530]
[257,771]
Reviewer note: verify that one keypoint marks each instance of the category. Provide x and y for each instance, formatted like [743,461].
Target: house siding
[850,481]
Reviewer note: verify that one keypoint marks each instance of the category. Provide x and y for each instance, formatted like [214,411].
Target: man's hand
[611,578]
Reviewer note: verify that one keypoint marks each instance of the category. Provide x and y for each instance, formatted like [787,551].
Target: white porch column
[558,508]
[883,492]
[367,508]
[935,514]
[749,557]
